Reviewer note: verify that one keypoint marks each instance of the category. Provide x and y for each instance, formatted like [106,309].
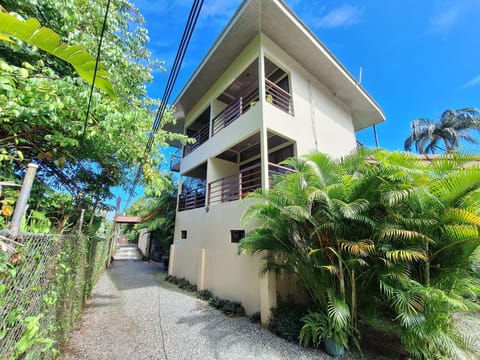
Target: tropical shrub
[377,235]
[231,308]
[285,319]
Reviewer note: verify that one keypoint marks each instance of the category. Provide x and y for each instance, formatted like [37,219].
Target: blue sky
[418,57]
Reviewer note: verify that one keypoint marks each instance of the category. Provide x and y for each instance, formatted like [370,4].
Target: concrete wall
[321,122]
[223,271]
[144,241]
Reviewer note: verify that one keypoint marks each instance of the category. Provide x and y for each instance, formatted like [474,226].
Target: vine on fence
[43,287]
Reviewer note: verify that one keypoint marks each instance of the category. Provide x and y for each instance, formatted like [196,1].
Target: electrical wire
[97,60]
[192,19]
[187,34]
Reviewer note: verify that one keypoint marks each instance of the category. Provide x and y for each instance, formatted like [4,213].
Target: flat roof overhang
[276,21]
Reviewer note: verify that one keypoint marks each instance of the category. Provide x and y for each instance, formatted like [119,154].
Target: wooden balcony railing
[275,170]
[192,199]
[200,136]
[240,184]
[233,111]
[175,160]
[275,95]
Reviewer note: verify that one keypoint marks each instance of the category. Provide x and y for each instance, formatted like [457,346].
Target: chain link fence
[44,283]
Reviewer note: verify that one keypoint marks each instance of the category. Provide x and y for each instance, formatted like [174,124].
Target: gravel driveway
[134,314]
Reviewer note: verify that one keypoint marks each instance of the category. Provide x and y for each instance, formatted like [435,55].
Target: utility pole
[113,240]
[22,201]
[80,225]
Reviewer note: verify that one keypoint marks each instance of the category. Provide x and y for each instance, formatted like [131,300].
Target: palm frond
[395,197]
[392,235]
[338,311]
[351,209]
[466,216]
[455,185]
[406,255]
[358,248]
[296,212]
[332,269]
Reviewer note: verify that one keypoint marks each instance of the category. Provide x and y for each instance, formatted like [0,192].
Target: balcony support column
[263,130]
[210,121]
[261,74]
[179,192]
[267,283]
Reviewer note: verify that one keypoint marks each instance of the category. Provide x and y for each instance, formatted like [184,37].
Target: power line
[97,60]
[187,34]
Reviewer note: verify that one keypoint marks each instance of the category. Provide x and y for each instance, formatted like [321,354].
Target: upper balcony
[237,99]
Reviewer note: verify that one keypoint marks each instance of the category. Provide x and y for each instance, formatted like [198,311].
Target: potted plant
[332,329]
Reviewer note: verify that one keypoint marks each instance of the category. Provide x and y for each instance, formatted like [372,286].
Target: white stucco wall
[144,241]
[321,122]
[227,274]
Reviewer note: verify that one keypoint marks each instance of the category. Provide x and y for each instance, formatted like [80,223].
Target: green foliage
[31,337]
[44,285]
[230,308]
[44,104]
[159,218]
[334,325]
[204,294]
[37,222]
[31,32]
[315,329]
[256,317]
[233,308]
[285,320]
[378,234]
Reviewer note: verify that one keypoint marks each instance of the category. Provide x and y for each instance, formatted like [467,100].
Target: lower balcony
[240,184]
[191,199]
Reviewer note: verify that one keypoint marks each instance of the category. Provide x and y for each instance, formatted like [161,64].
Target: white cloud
[345,15]
[216,14]
[473,82]
[449,13]
[445,16]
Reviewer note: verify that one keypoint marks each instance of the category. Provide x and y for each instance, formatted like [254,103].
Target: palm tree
[429,136]
[312,228]
[381,232]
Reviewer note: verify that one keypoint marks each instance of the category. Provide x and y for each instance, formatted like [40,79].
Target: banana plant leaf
[31,32]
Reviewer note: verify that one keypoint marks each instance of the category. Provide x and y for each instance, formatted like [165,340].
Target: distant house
[267,90]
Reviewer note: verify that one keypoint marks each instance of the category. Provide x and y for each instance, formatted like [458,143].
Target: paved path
[133,314]
[127,252]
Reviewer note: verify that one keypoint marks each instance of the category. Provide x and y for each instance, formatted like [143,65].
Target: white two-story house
[267,90]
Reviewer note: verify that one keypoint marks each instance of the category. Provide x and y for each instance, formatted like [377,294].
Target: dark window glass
[237,235]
